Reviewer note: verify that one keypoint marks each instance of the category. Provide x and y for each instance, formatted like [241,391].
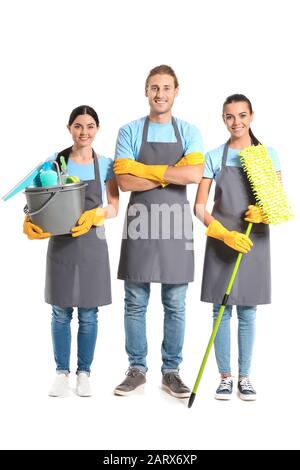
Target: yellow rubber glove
[34,232]
[125,166]
[87,220]
[256,215]
[194,158]
[236,240]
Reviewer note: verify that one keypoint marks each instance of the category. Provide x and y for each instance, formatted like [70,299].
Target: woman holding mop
[78,273]
[234,206]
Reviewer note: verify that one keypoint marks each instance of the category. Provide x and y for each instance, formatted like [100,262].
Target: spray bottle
[48,177]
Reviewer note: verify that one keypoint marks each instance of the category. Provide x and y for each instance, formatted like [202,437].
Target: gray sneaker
[172,383]
[134,380]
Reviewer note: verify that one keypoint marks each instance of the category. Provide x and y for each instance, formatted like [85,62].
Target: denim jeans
[136,302]
[246,334]
[86,337]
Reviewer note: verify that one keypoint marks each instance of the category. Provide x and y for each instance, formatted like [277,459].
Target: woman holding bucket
[234,203]
[78,273]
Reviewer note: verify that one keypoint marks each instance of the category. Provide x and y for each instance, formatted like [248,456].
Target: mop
[270,197]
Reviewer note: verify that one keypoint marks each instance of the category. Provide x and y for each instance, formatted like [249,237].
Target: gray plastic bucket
[56,209]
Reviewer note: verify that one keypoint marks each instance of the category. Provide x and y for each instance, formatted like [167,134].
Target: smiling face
[83,130]
[161,93]
[237,118]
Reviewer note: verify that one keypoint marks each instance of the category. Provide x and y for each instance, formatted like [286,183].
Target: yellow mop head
[266,187]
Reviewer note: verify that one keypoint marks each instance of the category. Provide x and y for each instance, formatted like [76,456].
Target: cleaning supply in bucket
[47,176]
[72,179]
[63,168]
[66,179]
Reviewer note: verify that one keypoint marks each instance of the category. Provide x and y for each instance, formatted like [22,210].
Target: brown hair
[162,70]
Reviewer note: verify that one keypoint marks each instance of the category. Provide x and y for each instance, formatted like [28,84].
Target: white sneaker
[83,386]
[60,386]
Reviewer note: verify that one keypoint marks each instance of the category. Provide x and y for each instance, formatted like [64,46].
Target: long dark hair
[83,109]
[236,98]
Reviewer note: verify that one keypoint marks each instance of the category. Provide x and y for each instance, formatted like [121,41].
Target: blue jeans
[136,302]
[246,334]
[86,337]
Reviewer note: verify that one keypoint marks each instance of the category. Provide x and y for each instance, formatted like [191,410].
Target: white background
[60,54]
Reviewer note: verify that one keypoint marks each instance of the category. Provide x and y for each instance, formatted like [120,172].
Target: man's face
[161,93]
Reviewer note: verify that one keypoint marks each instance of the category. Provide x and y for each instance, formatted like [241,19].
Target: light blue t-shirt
[130,137]
[213,160]
[86,172]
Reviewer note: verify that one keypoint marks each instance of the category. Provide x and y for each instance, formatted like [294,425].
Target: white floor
[152,420]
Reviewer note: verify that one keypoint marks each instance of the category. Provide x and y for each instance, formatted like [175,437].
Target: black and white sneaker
[224,390]
[246,390]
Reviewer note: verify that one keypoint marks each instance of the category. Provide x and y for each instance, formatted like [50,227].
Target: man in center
[156,158]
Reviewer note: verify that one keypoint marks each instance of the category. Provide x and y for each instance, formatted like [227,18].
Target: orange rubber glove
[235,240]
[87,220]
[194,158]
[124,166]
[256,215]
[34,232]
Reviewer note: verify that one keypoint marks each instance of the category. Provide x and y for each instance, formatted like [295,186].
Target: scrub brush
[269,195]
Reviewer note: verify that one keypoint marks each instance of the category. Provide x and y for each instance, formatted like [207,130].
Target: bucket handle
[26,210]
[58,172]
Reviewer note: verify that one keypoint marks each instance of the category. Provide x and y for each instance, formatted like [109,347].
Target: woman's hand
[256,215]
[87,220]
[34,232]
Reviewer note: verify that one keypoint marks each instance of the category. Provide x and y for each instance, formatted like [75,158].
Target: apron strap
[225,153]
[176,130]
[96,166]
[145,130]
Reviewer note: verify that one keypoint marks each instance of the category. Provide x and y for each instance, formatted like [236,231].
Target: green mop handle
[218,321]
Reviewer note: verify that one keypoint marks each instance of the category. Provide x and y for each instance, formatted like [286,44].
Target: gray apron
[252,285]
[164,250]
[77,271]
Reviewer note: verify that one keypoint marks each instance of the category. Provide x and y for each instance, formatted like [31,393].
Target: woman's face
[237,118]
[83,130]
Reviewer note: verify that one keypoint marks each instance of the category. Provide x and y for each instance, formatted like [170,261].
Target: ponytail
[254,140]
